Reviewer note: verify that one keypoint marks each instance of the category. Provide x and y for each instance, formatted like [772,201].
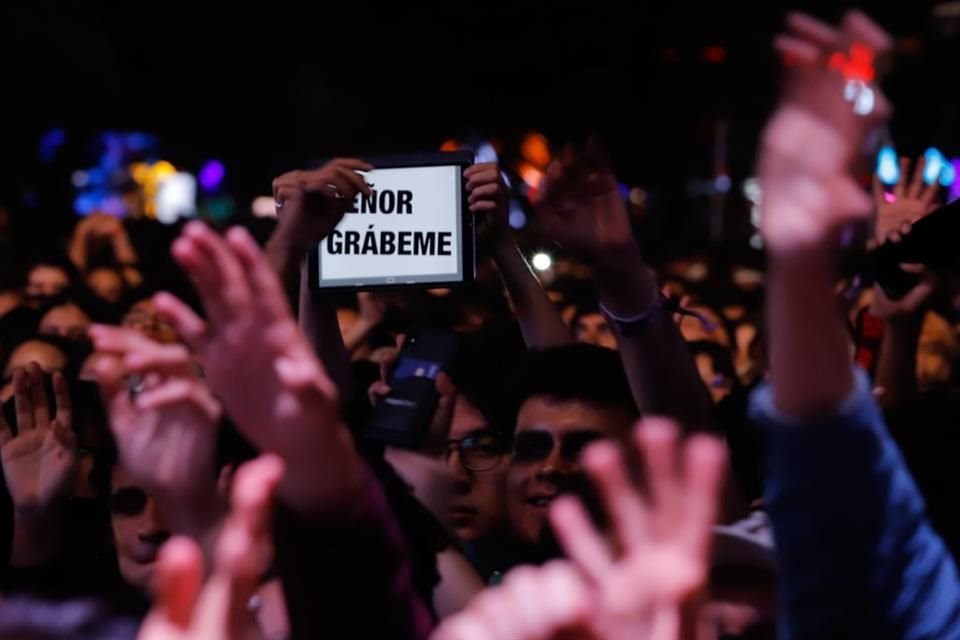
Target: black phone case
[402,419]
[931,242]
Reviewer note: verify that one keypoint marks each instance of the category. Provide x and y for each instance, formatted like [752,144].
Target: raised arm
[539,320]
[582,210]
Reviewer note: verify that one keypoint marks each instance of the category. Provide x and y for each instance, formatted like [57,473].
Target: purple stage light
[211,175]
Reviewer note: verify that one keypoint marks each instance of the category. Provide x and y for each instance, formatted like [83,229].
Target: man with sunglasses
[566,398]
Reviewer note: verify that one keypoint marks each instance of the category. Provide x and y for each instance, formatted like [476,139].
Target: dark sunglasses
[479,451]
[128,501]
[536,445]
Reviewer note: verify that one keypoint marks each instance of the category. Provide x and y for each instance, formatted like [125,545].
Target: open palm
[166,433]
[663,536]
[40,461]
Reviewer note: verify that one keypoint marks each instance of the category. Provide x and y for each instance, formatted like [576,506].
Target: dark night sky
[272,84]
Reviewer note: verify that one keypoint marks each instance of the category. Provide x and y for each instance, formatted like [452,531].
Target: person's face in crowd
[593,328]
[9,300]
[478,458]
[107,284]
[935,352]
[717,383]
[138,530]
[67,320]
[694,329]
[549,439]
[46,280]
[142,317]
[46,355]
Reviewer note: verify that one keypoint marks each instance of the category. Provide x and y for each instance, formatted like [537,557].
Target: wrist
[625,285]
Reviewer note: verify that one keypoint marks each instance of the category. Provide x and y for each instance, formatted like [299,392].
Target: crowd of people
[618,450]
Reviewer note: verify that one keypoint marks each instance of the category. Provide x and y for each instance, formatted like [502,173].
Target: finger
[21,400]
[565,594]
[656,439]
[354,163]
[628,512]
[355,180]
[522,589]
[704,468]
[252,500]
[337,186]
[178,391]
[38,396]
[202,273]
[900,189]
[481,178]
[482,167]
[233,295]
[164,360]
[64,403]
[466,625]
[916,183]
[905,227]
[796,51]
[894,237]
[483,206]
[266,288]
[114,340]
[179,580]
[579,539]
[64,435]
[858,26]
[114,392]
[377,391]
[931,191]
[815,31]
[188,324]
[878,192]
[486,191]
[915,269]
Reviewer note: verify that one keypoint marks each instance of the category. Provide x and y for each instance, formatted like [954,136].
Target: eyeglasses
[480,451]
[128,501]
[536,445]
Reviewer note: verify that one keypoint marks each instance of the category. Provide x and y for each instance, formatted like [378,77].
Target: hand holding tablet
[404,223]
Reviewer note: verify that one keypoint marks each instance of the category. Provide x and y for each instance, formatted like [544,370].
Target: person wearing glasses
[561,400]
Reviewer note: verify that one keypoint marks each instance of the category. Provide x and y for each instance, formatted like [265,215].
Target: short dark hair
[30,619]
[577,372]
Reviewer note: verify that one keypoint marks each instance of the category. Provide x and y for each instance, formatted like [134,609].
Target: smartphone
[402,419]
[931,242]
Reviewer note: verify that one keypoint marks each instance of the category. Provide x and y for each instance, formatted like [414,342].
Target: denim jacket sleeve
[857,556]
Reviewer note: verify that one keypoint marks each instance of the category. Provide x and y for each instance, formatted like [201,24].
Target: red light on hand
[858,66]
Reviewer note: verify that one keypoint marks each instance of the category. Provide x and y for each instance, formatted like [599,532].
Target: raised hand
[261,366]
[184,608]
[581,207]
[663,535]
[812,142]
[542,603]
[40,461]
[910,200]
[166,427]
[489,198]
[311,203]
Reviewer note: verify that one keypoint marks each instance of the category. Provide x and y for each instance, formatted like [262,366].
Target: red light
[858,66]
[715,54]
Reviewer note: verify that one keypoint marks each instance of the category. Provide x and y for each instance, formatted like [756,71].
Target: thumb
[178,582]
[113,387]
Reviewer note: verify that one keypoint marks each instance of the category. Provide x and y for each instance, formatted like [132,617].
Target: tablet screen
[410,230]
